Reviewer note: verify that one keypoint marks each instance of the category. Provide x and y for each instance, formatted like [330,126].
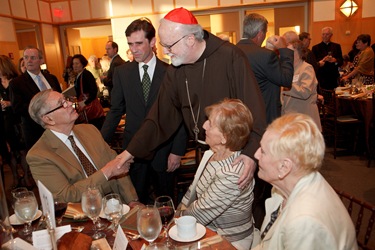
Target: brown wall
[94,46]
[10,47]
[287,17]
[355,24]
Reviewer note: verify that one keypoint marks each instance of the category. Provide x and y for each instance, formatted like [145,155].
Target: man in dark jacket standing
[135,88]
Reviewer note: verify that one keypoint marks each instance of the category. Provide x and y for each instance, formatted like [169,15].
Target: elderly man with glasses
[68,158]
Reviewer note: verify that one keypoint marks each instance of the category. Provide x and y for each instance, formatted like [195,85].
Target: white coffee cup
[186,227]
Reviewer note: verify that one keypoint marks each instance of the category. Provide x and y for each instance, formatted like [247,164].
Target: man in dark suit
[55,161]
[271,72]
[111,49]
[329,57]
[128,97]
[23,88]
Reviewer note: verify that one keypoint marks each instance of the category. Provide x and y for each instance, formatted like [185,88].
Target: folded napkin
[74,211]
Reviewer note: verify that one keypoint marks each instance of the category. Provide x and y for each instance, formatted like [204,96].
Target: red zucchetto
[181,15]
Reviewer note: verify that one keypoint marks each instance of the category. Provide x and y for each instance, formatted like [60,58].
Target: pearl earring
[279,176]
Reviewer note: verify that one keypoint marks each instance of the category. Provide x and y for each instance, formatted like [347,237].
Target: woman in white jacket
[304,211]
[302,97]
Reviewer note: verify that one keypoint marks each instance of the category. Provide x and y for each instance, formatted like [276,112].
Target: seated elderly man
[68,158]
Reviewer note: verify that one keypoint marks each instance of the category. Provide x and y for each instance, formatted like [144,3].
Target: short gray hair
[38,106]
[252,24]
[328,28]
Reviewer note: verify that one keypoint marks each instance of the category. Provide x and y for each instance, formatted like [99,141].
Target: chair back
[363,216]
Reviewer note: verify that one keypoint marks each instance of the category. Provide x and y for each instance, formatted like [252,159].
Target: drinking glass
[149,223]
[112,207]
[91,203]
[60,208]
[26,208]
[166,210]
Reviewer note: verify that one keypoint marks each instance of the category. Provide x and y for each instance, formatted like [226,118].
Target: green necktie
[146,83]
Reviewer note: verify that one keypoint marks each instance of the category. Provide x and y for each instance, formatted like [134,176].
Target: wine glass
[60,208]
[15,192]
[91,203]
[149,223]
[166,209]
[112,207]
[26,208]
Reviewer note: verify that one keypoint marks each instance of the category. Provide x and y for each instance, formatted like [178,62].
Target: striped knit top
[220,204]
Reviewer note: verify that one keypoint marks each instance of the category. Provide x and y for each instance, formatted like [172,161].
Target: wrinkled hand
[248,172]
[174,162]
[118,166]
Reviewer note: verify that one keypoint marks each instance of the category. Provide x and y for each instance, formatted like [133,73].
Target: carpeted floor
[350,174]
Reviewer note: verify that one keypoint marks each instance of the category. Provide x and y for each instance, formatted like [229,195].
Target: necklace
[195,118]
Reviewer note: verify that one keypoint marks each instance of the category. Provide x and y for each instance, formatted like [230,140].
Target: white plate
[18,244]
[125,210]
[15,221]
[201,231]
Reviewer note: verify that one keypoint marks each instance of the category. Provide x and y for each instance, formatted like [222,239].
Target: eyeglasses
[64,104]
[169,47]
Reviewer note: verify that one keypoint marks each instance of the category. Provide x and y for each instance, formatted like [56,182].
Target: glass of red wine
[166,211]
[60,208]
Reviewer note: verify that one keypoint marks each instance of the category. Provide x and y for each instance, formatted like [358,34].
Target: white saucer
[125,210]
[15,221]
[201,231]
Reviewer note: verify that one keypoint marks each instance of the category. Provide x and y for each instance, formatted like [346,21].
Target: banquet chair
[336,126]
[184,175]
[371,154]
[363,216]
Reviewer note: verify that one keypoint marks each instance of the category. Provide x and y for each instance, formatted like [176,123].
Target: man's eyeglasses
[169,47]
[64,104]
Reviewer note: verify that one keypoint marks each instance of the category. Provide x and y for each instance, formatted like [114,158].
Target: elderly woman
[214,197]
[87,91]
[302,97]
[363,62]
[304,211]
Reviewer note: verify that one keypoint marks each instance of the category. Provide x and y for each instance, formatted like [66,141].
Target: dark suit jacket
[88,84]
[271,73]
[117,61]
[328,74]
[22,89]
[127,98]
[60,171]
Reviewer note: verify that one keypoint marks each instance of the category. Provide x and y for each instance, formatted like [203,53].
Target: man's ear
[48,120]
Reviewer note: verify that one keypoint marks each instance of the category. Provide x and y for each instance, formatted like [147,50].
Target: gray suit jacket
[59,170]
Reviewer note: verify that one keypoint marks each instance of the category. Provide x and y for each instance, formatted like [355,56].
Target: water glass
[112,207]
[26,208]
[149,223]
[91,203]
